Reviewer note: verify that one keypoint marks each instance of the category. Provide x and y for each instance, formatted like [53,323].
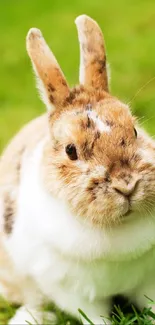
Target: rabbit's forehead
[105,124]
[101,117]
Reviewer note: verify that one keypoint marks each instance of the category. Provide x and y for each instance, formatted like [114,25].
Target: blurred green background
[129,31]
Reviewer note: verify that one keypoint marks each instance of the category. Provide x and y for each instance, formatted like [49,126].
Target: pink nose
[123,188]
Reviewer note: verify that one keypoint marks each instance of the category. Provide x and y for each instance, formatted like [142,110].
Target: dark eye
[71,152]
[135,132]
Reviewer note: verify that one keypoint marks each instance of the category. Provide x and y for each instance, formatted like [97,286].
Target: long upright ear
[93,71]
[51,81]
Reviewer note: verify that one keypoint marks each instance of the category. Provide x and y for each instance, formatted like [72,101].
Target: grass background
[129,31]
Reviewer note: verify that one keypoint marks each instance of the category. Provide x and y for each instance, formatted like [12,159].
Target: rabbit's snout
[124,187]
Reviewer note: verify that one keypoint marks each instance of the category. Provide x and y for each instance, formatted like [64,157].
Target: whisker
[140,89]
[150,118]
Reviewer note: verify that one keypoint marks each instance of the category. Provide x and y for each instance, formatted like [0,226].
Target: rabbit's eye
[135,132]
[71,152]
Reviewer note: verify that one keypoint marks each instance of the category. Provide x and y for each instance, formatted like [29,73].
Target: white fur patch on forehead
[101,126]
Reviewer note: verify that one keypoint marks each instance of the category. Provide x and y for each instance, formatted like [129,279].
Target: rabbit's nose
[123,187]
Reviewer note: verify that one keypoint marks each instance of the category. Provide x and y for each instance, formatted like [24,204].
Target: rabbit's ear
[52,84]
[93,70]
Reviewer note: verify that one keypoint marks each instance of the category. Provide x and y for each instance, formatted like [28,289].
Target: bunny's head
[97,159]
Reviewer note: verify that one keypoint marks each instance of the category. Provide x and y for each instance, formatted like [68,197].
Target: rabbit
[77,194]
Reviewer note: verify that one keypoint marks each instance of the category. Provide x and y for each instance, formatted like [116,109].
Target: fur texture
[77,212]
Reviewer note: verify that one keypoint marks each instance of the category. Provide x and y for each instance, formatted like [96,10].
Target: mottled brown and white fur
[77,194]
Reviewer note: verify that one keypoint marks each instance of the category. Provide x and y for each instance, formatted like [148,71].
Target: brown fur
[82,97]
[9,213]
[55,86]
[93,56]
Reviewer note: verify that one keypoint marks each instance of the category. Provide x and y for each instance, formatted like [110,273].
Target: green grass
[129,30]
[146,317]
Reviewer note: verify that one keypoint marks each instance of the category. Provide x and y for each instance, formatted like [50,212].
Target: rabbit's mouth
[129,209]
[128,213]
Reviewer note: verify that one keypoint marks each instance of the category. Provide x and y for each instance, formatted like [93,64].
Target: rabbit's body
[57,251]
[77,194]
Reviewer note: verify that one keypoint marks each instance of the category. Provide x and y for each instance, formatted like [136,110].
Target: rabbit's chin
[118,211]
[118,219]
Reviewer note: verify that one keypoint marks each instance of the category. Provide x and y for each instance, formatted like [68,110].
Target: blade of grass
[85,316]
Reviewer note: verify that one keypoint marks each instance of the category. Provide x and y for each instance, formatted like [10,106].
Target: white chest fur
[66,256]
